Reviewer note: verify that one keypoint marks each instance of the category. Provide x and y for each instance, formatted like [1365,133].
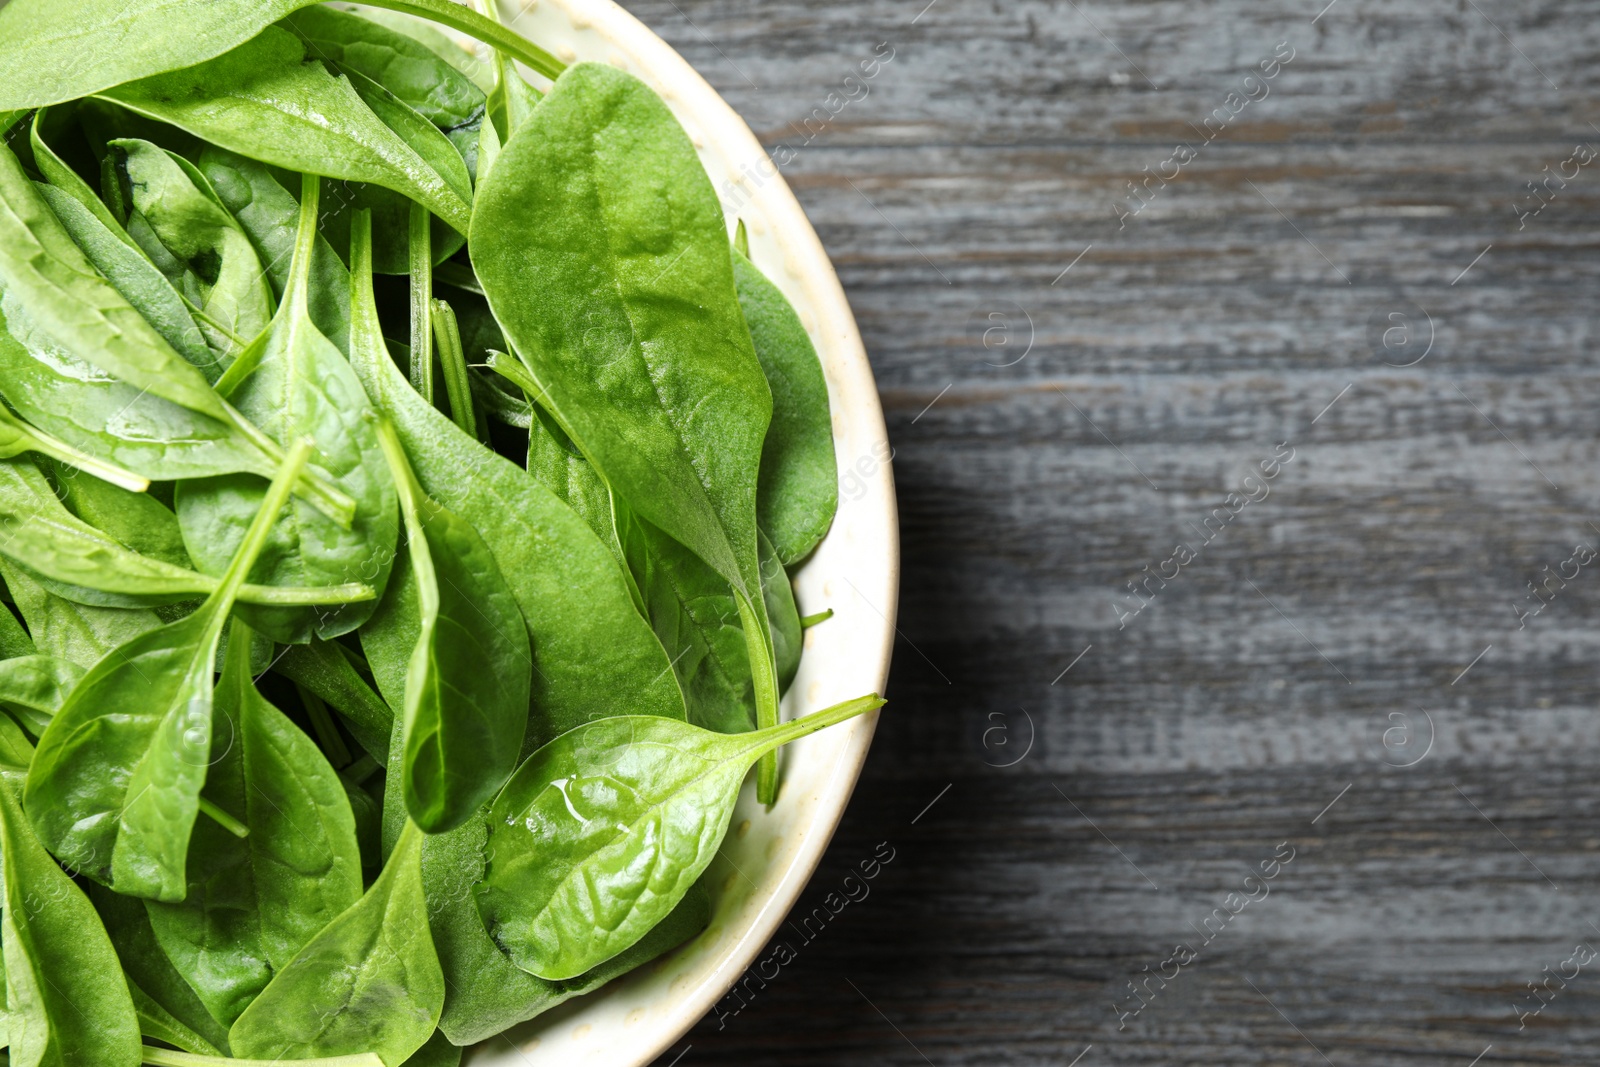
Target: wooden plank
[1361,616]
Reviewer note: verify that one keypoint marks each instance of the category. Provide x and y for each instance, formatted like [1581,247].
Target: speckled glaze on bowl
[768,855]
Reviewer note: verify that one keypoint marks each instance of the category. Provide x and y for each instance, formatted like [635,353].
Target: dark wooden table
[1343,663]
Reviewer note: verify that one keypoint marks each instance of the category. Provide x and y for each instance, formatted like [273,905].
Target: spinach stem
[421,247]
[764,677]
[808,621]
[447,335]
[782,734]
[223,819]
[463,18]
[333,745]
[41,442]
[166,1057]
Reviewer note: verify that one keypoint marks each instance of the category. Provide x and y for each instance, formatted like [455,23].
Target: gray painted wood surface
[1320,640]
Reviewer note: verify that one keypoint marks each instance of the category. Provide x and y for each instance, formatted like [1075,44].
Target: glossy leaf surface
[601,832]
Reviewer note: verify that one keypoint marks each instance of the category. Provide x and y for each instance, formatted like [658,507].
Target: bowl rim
[601,30]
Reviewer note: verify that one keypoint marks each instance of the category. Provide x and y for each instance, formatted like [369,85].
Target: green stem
[255,537]
[764,676]
[808,621]
[223,819]
[775,737]
[463,18]
[421,246]
[297,596]
[741,240]
[447,335]
[59,450]
[166,1057]
[333,745]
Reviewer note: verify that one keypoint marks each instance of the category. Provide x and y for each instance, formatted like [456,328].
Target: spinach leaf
[469,669]
[49,63]
[787,635]
[408,68]
[591,648]
[76,561]
[79,633]
[450,49]
[322,668]
[115,786]
[207,256]
[692,610]
[254,902]
[136,278]
[33,688]
[602,831]
[73,314]
[652,373]
[369,981]
[264,100]
[268,213]
[146,963]
[138,520]
[296,383]
[66,999]
[16,751]
[799,487]
[485,993]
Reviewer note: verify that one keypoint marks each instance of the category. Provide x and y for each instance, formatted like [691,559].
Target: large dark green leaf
[619,296]
[115,786]
[254,902]
[264,100]
[590,647]
[297,384]
[67,1004]
[799,487]
[602,831]
[368,982]
[63,49]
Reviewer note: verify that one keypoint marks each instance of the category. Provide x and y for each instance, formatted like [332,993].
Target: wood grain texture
[1182,349]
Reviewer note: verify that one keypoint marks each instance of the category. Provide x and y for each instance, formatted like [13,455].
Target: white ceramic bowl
[768,855]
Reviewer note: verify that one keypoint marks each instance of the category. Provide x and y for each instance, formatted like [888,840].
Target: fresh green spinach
[115,786]
[601,832]
[369,981]
[652,374]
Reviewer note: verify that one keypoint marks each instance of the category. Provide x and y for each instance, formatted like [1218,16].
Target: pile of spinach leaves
[400,471]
